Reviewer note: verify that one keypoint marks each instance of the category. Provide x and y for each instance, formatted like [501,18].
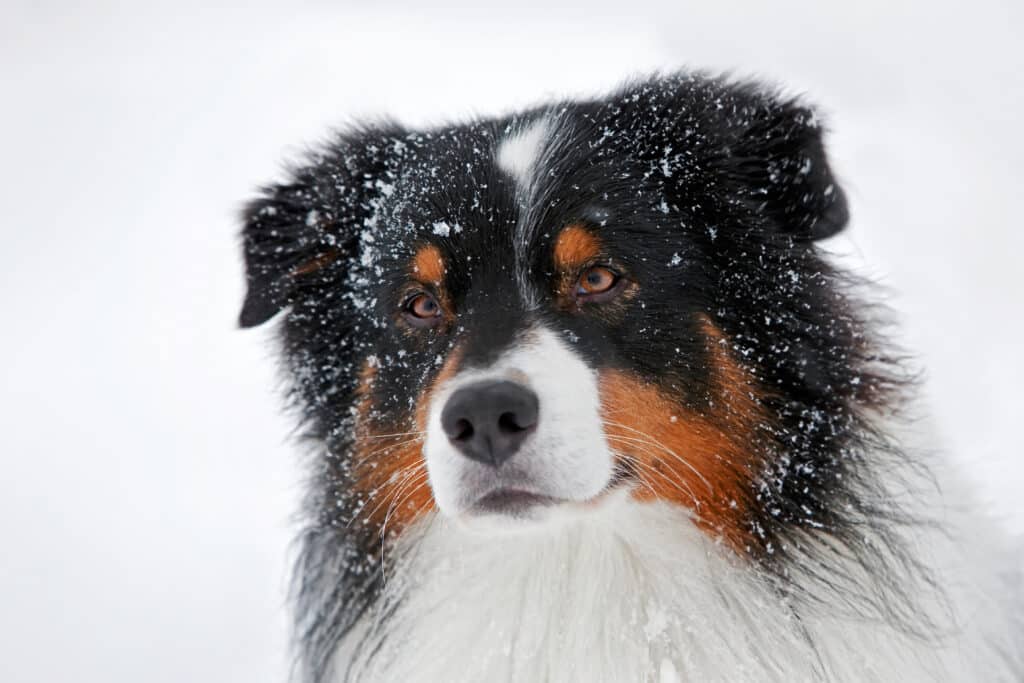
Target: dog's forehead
[495,192]
[447,191]
[487,170]
[445,182]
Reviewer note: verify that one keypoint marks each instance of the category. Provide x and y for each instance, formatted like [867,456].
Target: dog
[588,401]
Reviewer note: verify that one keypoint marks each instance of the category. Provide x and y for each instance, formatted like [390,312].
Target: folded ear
[282,233]
[778,164]
[296,228]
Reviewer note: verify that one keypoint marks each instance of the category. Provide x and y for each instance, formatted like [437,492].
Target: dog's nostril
[508,422]
[463,430]
[489,421]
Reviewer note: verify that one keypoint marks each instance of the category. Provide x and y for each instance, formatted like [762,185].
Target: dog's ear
[777,164]
[723,145]
[295,228]
[280,236]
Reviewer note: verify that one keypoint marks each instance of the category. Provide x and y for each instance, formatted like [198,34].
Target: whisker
[414,477]
[383,531]
[647,440]
[664,450]
[420,480]
[649,467]
[385,436]
[404,472]
[363,457]
[413,474]
[680,486]
[634,462]
[404,475]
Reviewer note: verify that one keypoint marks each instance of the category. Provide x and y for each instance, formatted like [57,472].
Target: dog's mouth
[519,503]
[512,502]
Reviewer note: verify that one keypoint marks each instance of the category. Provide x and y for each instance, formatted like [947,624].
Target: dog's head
[513,317]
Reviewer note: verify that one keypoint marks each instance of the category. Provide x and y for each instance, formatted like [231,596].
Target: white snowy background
[146,481]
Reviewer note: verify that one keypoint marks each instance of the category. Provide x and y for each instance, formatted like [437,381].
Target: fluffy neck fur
[634,592]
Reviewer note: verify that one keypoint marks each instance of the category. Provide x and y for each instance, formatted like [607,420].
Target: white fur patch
[631,591]
[567,456]
[634,592]
[519,153]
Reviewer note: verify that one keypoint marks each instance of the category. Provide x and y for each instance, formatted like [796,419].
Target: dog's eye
[422,310]
[595,281]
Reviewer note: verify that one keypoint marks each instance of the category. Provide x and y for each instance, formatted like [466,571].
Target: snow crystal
[444,230]
[666,168]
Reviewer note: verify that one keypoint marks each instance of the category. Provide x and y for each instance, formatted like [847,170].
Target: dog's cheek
[704,459]
[389,474]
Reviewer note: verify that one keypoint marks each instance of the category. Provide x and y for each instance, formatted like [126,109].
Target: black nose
[488,421]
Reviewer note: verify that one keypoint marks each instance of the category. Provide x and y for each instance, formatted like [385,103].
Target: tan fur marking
[704,460]
[389,468]
[428,265]
[575,247]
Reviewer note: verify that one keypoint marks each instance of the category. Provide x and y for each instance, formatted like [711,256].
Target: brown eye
[596,280]
[422,310]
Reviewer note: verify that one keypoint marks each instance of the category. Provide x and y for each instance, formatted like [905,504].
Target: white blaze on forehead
[518,153]
[521,155]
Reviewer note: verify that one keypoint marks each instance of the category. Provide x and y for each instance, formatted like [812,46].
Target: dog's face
[509,319]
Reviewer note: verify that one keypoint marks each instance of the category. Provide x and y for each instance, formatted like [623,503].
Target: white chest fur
[629,592]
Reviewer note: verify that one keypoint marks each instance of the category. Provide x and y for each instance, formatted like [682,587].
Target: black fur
[711,193]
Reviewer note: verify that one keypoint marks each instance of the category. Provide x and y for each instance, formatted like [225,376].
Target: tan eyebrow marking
[575,247]
[428,265]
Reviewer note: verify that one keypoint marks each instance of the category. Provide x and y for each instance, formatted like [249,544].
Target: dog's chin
[513,503]
[508,510]
[514,511]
